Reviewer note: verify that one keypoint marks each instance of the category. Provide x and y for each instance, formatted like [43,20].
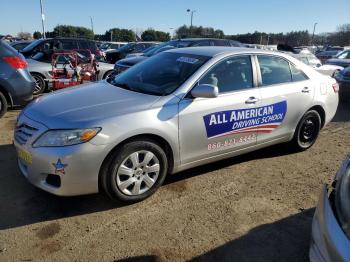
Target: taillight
[15,62]
[335,87]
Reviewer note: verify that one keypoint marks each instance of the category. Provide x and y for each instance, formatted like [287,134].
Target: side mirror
[205,90]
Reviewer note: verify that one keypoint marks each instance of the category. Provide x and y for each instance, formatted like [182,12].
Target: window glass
[297,74]
[202,43]
[221,42]
[161,74]
[344,55]
[69,44]
[230,75]
[274,70]
[84,45]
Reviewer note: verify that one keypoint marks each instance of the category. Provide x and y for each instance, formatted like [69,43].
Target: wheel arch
[319,109]
[7,95]
[106,73]
[160,141]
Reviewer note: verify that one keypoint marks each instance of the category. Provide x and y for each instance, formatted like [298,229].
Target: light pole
[313,34]
[192,12]
[92,25]
[42,18]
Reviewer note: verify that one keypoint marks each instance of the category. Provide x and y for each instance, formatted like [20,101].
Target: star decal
[59,167]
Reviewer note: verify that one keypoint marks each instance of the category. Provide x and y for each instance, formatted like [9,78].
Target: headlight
[56,138]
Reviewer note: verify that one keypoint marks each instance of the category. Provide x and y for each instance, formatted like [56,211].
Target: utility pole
[313,34]
[92,25]
[111,35]
[42,18]
[192,12]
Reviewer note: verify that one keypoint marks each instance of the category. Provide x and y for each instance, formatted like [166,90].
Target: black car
[341,59]
[113,56]
[16,84]
[325,55]
[124,64]
[60,43]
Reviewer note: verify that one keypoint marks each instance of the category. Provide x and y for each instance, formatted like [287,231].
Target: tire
[108,74]
[307,131]
[40,84]
[3,105]
[129,176]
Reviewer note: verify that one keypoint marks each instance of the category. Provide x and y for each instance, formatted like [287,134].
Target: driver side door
[210,127]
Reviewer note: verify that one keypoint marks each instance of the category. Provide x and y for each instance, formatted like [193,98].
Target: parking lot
[256,207]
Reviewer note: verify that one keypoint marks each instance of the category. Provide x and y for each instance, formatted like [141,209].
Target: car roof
[219,50]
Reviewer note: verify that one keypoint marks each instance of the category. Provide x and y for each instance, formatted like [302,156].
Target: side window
[221,42]
[202,43]
[84,45]
[274,70]
[69,44]
[230,75]
[297,74]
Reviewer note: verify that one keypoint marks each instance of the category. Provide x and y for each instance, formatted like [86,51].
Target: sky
[232,16]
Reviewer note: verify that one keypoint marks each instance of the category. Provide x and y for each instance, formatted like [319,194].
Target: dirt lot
[257,207]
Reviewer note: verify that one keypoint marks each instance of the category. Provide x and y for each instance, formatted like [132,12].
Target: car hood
[339,62]
[346,72]
[86,105]
[131,61]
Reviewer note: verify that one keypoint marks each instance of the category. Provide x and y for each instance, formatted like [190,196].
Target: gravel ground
[256,207]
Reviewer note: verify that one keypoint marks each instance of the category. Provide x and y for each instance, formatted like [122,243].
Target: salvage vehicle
[330,238]
[39,66]
[128,62]
[325,55]
[16,84]
[179,109]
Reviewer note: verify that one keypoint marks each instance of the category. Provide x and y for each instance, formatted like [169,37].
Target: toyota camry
[179,109]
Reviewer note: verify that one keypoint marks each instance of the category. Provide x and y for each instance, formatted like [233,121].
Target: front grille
[23,132]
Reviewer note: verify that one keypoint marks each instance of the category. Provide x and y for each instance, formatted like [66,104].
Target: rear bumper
[328,241]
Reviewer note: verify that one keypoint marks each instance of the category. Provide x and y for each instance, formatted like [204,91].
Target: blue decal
[59,167]
[261,119]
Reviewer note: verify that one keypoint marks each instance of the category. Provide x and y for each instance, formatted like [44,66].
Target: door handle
[251,100]
[305,90]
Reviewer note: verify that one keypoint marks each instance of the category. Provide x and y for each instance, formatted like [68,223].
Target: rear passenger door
[286,94]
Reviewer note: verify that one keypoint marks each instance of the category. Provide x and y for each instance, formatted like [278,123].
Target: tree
[37,35]
[71,31]
[122,35]
[152,35]
[198,31]
[25,35]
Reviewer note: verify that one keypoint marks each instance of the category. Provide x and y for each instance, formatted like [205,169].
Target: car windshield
[166,46]
[105,46]
[161,74]
[32,45]
[344,55]
[127,47]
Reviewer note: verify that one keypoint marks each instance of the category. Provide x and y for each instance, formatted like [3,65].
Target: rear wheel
[307,131]
[134,172]
[3,105]
[40,84]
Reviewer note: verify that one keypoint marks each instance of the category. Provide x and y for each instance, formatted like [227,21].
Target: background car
[19,45]
[113,56]
[330,237]
[40,68]
[325,55]
[16,84]
[126,63]
[341,59]
[112,45]
[343,79]
[61,43]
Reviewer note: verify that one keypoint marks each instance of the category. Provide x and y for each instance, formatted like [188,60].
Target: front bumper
[76,167]
[328,241]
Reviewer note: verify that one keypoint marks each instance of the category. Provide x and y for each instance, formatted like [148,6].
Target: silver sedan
[177,110]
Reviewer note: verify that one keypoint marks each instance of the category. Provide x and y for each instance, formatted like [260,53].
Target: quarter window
[230,75]
[274,70]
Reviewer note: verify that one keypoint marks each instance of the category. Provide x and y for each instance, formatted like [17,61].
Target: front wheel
[134,172]
[307,131]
